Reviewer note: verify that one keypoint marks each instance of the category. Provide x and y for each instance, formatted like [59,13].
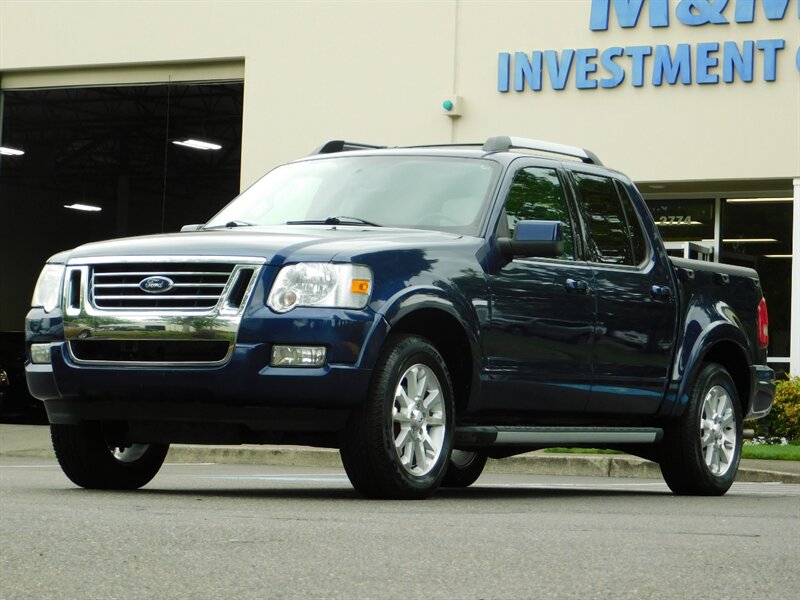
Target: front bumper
[197,352]
[246,390]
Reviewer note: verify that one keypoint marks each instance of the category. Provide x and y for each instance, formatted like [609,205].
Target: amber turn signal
[359,286]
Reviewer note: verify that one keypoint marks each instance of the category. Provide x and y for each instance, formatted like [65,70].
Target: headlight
[47,292]
[322,285]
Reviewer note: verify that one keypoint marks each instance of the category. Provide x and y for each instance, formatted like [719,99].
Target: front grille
[149,351]
[194,285]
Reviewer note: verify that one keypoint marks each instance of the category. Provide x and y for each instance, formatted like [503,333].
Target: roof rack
[503,143]
[332,146]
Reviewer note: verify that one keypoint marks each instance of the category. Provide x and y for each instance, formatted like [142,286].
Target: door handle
[576,285]
[660,291]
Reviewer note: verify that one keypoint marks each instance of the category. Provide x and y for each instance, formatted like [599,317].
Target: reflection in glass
[402,191]
[536,194]
[772,259]
[607,224]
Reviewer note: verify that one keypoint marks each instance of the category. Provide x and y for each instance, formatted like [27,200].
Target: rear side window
[615,235]
[638,245]
[536,194]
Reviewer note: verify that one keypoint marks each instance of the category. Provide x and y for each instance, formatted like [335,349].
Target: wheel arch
[450,322]
[732,357]
[723,345]
[447,333]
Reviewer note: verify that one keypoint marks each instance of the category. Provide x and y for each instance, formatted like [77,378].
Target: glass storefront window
[758,234]
[754,233]
[96,163]
[683,220]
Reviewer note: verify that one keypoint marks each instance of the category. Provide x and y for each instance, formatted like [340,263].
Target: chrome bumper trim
[85,322]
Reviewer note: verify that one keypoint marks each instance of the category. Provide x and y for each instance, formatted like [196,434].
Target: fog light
[298,356]
[40,354]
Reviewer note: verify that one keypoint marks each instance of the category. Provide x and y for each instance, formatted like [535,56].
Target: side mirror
[534,238]
[195,227]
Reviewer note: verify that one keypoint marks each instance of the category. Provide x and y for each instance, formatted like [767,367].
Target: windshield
[422,192]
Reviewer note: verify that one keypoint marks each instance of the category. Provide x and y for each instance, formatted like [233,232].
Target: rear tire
[701,450]
[397,444]
[464,469]
[91,462]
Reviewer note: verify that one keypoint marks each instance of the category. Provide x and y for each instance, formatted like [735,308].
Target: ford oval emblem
[156,284]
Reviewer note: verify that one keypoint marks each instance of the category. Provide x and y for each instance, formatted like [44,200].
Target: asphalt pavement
[34,441]
[255,531]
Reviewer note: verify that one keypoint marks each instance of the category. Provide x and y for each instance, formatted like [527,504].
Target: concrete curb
[534,463]
[34,441]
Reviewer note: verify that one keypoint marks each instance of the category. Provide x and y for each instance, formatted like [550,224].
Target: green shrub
[784,418]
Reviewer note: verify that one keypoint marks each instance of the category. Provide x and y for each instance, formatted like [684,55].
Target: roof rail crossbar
[503,143]
[332,146]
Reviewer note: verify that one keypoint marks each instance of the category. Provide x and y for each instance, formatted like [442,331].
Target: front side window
[419,192]
[611,239]
[536,195]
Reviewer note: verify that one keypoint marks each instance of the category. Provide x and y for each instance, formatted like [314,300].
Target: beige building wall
[379,71]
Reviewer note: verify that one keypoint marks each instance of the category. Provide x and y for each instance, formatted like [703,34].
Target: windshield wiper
[232,224]
[340,220]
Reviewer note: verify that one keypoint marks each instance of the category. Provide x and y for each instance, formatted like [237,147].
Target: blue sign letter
[628,12]
[617,73]
[637,53]
[770,49]
[528,69]
[598,17]
[558,70]
[503,69]
[701,12]
[741,62]
[583,68]
[774,9]
[705,61]
[664,65]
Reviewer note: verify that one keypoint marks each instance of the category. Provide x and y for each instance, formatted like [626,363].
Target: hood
[276,244]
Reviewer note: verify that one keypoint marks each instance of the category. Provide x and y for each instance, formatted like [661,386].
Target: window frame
[624,195]
[576,225]
[616,184]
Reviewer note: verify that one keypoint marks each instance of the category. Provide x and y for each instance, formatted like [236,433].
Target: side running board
[548,436]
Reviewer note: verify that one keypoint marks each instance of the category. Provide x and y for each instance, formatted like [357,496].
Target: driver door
[538,345]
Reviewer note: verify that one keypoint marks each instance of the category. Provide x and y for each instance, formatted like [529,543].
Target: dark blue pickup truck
[421,309]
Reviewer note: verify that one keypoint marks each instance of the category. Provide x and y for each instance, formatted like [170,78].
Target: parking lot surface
[211,530]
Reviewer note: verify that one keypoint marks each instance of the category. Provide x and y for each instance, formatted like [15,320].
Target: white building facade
[697,101]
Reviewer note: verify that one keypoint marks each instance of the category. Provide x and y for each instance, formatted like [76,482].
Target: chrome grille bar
[112,318]
[151,273]
[156,297]
[189,286]
[134,285]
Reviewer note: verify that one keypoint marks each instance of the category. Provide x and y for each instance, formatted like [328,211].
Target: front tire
[398,443]
[91,462]
[701,451]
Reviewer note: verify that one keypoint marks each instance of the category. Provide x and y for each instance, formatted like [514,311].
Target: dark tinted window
[536,195]
[110,148]
[609,236]
[638,246]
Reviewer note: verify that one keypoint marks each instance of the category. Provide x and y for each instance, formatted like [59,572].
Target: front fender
[415,299]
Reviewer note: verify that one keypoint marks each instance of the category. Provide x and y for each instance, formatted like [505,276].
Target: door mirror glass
[535,238]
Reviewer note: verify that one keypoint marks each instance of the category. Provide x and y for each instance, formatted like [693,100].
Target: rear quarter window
[615,234]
